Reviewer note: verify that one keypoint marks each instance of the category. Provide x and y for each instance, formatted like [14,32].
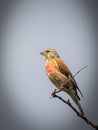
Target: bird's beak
[42,53]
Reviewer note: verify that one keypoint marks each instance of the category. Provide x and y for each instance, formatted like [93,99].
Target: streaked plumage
[59,74]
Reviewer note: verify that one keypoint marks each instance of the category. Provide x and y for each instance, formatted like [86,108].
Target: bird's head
[50,54]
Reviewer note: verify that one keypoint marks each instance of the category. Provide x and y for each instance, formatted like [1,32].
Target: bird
[60,75]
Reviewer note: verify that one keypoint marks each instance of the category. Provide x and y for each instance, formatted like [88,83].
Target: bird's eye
[47,51]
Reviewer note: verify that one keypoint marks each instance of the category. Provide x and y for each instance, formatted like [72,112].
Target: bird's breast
[51,67]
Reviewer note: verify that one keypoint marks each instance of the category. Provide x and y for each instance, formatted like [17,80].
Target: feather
[65,70]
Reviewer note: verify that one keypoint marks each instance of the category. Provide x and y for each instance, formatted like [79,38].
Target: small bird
[60,75]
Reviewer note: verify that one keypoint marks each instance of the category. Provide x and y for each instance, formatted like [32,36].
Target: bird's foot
[62,86]
[54,92]
[57,90]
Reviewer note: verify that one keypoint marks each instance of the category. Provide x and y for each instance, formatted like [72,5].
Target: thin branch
[80,70]
[71,106]
[78,114]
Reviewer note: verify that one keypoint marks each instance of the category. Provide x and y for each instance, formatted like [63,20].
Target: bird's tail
[76,100]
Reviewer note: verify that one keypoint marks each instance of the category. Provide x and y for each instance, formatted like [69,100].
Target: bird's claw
[53,94]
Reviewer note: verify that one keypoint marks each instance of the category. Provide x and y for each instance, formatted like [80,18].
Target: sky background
[28,28]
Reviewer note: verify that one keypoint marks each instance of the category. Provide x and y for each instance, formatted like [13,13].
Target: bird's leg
[57,90]
[54,92]
[62,86]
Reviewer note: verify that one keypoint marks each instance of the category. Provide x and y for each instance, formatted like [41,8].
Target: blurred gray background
[29,27]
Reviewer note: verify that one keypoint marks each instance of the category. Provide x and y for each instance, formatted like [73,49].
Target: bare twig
[71,106]
[78,114]
[81,70]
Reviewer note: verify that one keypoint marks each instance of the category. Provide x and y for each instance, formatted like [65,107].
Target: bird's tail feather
[76,100]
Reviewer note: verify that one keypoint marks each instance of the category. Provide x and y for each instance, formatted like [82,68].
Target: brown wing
[65,70]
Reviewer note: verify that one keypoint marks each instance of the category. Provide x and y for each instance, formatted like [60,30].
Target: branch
[78,114]
[71,106]
[80,70]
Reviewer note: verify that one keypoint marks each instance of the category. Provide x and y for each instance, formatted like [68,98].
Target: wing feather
[65,70]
